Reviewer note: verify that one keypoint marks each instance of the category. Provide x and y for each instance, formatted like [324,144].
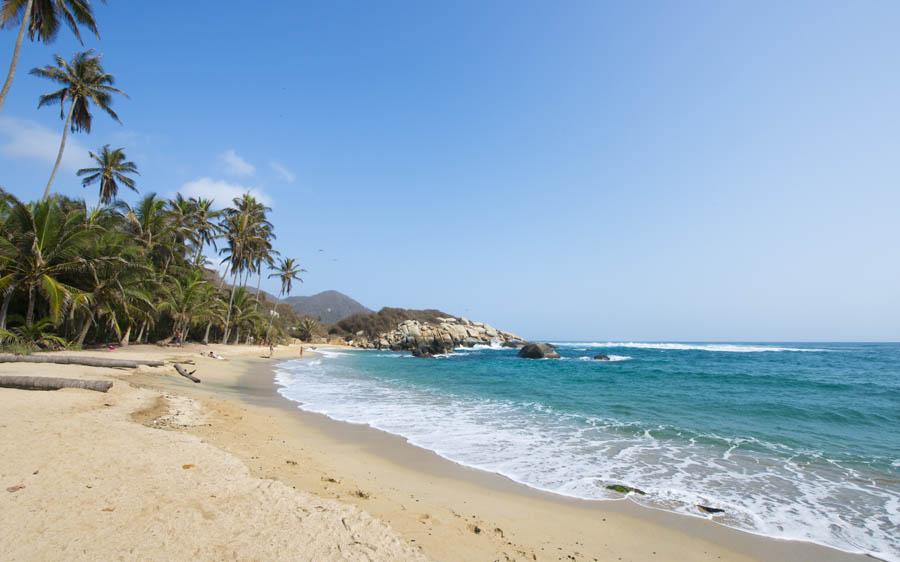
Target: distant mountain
[328,306]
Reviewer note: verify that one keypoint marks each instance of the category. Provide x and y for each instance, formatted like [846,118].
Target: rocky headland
[436,336]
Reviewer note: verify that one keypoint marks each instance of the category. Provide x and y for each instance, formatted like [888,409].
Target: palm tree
[288,271]
[49,243]
[245,313]
[182,300]
[210,309]
[112,169]
[247,231]
[205,226]
[307,328]
[41,19]
[84,81]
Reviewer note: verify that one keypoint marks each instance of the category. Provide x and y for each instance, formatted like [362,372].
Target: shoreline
[442,509]
[399,450]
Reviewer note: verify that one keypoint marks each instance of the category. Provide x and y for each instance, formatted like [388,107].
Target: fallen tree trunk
[78,360]
[181,371]
[52,383]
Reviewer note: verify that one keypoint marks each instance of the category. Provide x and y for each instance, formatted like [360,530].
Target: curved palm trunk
[258,283]
[85,326]
[62,148]
[5,308]
[140,335]
[230,303]
[126,337]
[206,335]
[26,20]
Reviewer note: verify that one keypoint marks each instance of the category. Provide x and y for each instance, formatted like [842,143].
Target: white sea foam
[722,347]
[763,486]
[612,358]
[494,345]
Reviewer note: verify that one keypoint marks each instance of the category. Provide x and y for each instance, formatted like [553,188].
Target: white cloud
[235,165]
[221,191]
[26,139]
[283,172]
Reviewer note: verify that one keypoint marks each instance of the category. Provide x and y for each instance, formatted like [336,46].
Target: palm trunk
[84,330]
[5,309]
[62,148]
[26,20]
[140,335]
[230,303]
[126,337]
[206,335]
[258,283]
[29,315]
[237,335]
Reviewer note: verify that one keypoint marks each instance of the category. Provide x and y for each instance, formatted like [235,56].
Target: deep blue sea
[798,441]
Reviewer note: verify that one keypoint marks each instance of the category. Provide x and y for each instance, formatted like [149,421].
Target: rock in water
[538,351]
[707,509]
[435,347]
[601,357]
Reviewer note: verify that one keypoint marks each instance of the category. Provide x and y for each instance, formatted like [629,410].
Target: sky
[587,170]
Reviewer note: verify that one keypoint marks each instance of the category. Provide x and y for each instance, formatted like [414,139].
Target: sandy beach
[160,468]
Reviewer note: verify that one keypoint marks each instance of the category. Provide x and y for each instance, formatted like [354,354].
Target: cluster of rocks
[425,339]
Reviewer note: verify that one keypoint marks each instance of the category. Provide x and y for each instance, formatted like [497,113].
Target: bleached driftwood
[51,383]
[181,371]
[79,360]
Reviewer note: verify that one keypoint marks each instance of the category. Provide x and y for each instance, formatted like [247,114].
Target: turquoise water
[797,441]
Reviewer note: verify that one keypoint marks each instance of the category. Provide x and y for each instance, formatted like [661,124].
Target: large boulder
[432,348]
[538,351]
[601,357]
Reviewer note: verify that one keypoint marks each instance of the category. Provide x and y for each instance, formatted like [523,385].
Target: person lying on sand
[213,355]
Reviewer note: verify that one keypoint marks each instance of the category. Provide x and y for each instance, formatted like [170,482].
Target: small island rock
[601,357]
[538,351]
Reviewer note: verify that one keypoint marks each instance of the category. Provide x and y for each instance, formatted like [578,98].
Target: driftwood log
[79,360]
[181,371]
[52,383]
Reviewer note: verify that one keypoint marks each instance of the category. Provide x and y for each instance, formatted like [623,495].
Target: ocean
[796,441]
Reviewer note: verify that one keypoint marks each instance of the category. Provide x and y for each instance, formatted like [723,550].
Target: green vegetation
[73,275]
[384,320]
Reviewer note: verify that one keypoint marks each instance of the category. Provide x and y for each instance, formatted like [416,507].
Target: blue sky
[585,170]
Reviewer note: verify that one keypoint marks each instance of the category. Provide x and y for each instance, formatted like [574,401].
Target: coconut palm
[49,243]
[211,309]
[244,313]
[246,231]
[112,169]
[183,297]
[41,18]
[288,271]
[84,81]
[204,225]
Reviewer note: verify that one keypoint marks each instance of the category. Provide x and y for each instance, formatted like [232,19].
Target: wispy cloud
[235,165]
[221,191]
[283,172]
[20,138]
